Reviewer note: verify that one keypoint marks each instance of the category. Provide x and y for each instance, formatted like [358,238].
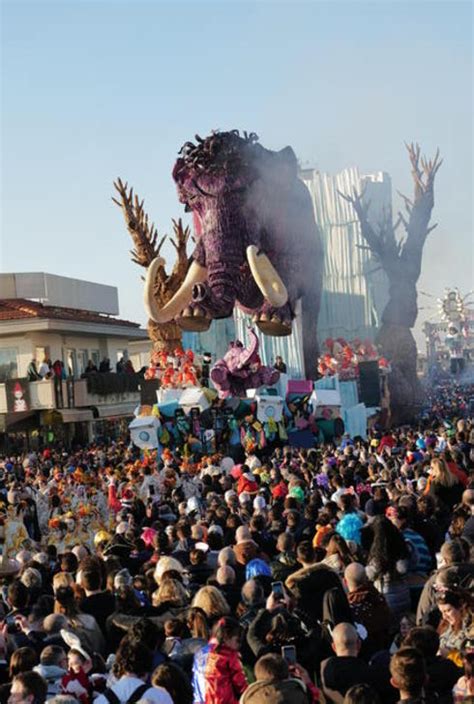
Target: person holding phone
[279,681]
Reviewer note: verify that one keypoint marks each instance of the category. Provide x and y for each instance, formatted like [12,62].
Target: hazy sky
[96,90]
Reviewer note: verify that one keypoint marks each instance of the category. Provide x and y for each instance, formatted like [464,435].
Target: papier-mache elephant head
[257,245]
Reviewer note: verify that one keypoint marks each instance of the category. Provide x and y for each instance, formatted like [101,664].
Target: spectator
[368,607]
[132,666]
[28,688]
[444,485]
[32,371]
[172,678]
[340,673]
[52,668]
[361,694]
[218,677]
[456,620]
[407,668]
[442,674]
[275,683]
[22,660]
[280,364]
[387,566]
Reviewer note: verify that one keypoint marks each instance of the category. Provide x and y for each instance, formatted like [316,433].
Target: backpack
[112,698]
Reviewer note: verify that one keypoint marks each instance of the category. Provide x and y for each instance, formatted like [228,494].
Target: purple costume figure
[241,369]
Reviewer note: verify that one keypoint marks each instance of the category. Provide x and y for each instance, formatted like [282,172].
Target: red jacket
[245,485]
[280,490]
[225,678]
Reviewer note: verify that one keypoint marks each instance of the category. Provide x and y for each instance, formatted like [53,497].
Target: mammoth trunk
[225,232]
[217,295]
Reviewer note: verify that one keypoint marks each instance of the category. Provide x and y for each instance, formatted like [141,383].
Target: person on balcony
[32,372]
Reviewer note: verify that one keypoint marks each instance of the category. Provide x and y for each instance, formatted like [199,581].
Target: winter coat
[218,677]
[448,496]
[289,691]
[319,592]
[284,565]
[53,675]
[370,609]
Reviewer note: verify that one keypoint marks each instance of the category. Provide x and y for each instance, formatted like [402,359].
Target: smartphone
[278,591]
[151,490]
[288,653]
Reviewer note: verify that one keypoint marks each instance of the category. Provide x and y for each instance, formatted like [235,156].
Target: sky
[95,90]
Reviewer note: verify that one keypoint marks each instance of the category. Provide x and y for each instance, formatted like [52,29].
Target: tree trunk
[399,346]
[166,337]
[397,343]
[401,260]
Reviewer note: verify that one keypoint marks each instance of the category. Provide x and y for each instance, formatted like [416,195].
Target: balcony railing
[51,394]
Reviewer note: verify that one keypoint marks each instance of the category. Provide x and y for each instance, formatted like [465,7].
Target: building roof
[22,309]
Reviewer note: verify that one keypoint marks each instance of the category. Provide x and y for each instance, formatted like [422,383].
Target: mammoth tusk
[266,277]
[196,274]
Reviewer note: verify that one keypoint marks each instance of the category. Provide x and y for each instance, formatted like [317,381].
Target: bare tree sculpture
[400,258]
[167,336]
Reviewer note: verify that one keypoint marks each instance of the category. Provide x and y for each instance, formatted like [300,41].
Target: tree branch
[420,208]
[144,234]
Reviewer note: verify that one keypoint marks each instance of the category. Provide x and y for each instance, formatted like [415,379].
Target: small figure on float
[241,368]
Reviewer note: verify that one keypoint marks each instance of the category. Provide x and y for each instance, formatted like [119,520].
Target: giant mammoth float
[257,243]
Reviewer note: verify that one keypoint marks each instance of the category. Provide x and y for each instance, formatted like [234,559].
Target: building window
[95,356]
[82,359]
[71,363]
[8,363]
[41,353]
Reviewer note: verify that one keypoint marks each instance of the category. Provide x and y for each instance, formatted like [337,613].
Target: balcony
[115,395]
[42,396]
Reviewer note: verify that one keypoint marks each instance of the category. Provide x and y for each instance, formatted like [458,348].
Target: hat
[244,497]
[204,547]
[123,578]
[297,493]
[257,568]
[73,641]
[230,494]
[259,503]
[101,537]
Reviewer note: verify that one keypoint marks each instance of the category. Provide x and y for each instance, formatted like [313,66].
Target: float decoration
[165,336]
[343,358]
[241,368]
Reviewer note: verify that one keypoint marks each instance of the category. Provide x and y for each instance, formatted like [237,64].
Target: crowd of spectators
[341,573]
